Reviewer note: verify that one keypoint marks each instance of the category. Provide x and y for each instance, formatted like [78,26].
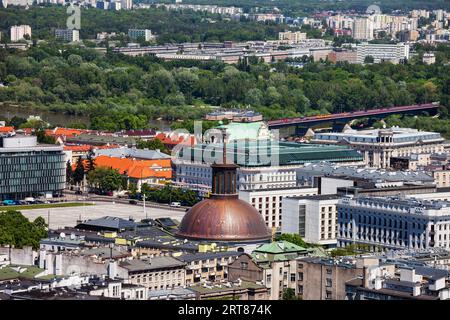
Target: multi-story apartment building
[314,218]
[379,145]
[429,58]
[269,201]
[158,273]
[145,34]
[127,4]
[18,32]
[393,223]
[210,266]
[395,53]
[29,169]
[363,28]
[324,279]
[68,35]
[273,265]
[292,37]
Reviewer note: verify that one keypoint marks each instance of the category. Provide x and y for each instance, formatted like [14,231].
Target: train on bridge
[352,115]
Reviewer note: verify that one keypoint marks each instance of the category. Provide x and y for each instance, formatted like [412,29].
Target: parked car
[175,204]
[132,202]
[9,202]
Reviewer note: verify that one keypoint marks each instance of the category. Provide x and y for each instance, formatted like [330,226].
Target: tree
[289,294]
[90,161]
[16,230]
[292,238]
[69,173]
[154,144]
[105,179]
[16,121]
[42,137]
[369,59]
[78,174]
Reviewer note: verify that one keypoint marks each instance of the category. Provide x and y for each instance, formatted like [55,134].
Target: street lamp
[145,209]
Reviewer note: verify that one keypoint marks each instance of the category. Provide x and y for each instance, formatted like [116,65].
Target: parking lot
[62,217]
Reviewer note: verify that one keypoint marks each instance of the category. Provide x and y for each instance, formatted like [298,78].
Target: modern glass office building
[29,169]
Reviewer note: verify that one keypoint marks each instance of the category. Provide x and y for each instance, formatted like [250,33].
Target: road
[67,217]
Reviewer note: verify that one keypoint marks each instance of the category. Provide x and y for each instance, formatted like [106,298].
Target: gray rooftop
[144,154]
[151,264]
[330,170]
[189,257]
[110,223]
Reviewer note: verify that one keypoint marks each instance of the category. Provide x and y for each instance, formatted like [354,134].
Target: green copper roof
[279,247]
[243,130]
[265,152]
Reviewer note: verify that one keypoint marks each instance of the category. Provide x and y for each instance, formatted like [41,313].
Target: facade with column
[379,145]
[393,223]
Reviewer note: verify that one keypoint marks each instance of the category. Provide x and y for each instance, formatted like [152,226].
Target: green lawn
[7,273]
[45,206]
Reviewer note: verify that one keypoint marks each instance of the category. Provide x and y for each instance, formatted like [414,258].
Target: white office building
[135,34]
[292,37]
[314,218]
[379,145]
[18,32]
[68,35]
[394,223]
[394,53]
[269,202]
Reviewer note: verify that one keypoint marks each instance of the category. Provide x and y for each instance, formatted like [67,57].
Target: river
[7,111]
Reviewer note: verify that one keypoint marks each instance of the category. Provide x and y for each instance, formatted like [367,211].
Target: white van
[175,204]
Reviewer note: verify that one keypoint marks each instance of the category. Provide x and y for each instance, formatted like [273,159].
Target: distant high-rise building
[18,32]
[102,5]
[70,35]
[439,14]
[429,58]
[116,5]
[292,37]
[363,28]
[135,34]
[127,4]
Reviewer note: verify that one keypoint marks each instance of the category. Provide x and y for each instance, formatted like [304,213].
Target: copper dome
[223,218]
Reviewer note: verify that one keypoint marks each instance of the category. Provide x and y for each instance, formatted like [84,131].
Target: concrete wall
[315,284]
[25,256]
[66,264]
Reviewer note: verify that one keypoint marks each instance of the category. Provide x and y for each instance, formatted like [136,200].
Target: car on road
[175,204]
[132,202]
[10,202]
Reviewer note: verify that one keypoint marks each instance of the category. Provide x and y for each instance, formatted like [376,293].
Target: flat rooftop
[273,153]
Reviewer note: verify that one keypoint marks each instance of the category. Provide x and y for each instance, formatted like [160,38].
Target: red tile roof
[6,129]
[137,169]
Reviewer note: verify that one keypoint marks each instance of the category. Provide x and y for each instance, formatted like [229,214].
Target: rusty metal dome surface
[223,218]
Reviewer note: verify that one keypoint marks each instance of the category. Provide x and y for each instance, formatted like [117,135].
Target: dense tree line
[122,92]
[169,194]
[16,230]
[295,7]
[170,26]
